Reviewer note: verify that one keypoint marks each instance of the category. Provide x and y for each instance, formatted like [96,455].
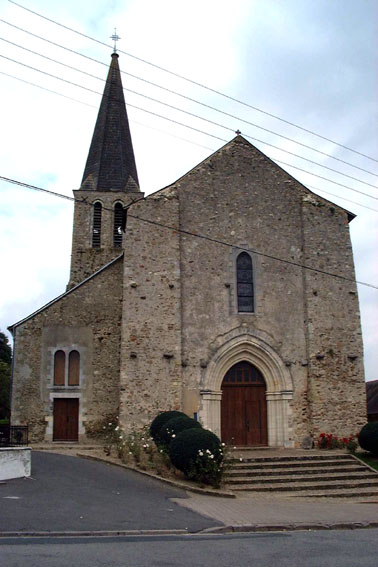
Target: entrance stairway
[308,475]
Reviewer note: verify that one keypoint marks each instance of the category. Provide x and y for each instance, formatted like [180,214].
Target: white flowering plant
[199,454]
[110,433]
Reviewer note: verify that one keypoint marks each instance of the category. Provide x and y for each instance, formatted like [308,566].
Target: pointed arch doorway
[243,406]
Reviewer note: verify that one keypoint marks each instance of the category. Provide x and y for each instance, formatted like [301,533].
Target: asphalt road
[75,494]
[297,549]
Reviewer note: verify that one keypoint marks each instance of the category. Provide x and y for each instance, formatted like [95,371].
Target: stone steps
[299,486]
[271,472]
[248,464]
[337,475]
[288,459]
[296,479]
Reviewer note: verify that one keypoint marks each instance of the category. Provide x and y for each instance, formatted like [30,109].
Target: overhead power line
[201,131]
[93,106]
[174,136]
[195,83]
[181,110]
[185,97]
[342,198]
[46,89]
[189,233]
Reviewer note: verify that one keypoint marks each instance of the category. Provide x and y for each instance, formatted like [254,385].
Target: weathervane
[115,38]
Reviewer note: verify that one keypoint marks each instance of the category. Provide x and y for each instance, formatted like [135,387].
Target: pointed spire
[111,164]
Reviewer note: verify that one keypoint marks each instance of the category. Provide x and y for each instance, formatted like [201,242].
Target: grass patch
[4,421]
[369,459]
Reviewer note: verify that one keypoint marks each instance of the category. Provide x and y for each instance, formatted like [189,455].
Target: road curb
[100,533]
[289,527]
[230,529]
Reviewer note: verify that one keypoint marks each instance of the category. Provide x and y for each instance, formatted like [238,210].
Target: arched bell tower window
[96,230]
[117,227]
[244,277]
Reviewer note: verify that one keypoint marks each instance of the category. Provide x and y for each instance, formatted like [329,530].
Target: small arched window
[96,230]
[59,368]
[244,277]
[117,227]
[74,368]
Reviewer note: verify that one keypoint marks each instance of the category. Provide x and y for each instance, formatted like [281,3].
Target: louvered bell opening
[117,229]
[96,233]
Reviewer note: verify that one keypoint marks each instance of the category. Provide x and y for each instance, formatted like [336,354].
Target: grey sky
[312,63]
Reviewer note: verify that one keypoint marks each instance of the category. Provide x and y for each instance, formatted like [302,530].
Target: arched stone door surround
[279,391]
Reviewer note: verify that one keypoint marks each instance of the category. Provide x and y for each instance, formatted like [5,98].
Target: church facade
[229,295]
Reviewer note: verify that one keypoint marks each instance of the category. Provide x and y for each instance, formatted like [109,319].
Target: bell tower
[110,182]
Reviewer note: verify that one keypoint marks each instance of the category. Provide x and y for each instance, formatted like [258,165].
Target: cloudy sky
[309,63]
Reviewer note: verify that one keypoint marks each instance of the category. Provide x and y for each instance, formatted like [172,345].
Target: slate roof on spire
[111,164]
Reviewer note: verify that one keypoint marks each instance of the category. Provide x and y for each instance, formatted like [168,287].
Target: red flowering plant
[330,441]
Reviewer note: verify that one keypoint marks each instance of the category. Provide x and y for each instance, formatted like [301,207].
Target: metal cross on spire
[115,38]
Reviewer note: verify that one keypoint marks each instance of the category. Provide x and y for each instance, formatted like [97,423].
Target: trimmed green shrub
[173,427]
[198,454]
[368,437]
[160,420]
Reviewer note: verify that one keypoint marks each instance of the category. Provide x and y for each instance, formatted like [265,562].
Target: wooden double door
[66,419]
[243,409]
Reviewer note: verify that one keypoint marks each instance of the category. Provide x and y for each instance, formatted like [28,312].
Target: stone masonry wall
[85,259]
[88,319]
[151,326]
[336,386]
[180,291]
[240,197]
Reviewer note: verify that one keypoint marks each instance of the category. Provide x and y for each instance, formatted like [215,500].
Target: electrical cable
[208,121]
[93,106]
[188,113]
[186,98]
[342,198]
[194,82]
[189,233]
[46,89]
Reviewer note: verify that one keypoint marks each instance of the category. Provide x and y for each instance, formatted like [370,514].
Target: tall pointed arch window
[117,226]
[96,229]
[244,277]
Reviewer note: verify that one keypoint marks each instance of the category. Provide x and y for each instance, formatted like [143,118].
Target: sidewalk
[254,513]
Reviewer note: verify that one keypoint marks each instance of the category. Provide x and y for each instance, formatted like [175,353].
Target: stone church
[230,295]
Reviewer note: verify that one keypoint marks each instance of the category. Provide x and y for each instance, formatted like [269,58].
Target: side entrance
[66,419]
[243,406]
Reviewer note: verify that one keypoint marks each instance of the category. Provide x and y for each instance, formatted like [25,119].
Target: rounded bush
[368,437]
[198,454]
[174,426]
[160,420]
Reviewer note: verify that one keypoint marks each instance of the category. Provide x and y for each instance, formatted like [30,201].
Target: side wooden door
[66,419]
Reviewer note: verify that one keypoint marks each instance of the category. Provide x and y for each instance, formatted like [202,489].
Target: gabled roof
[372,396]
[239,139]
[111,163]
[72,290]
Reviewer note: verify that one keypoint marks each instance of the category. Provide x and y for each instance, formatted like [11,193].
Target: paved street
[73,494]
[296,549]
